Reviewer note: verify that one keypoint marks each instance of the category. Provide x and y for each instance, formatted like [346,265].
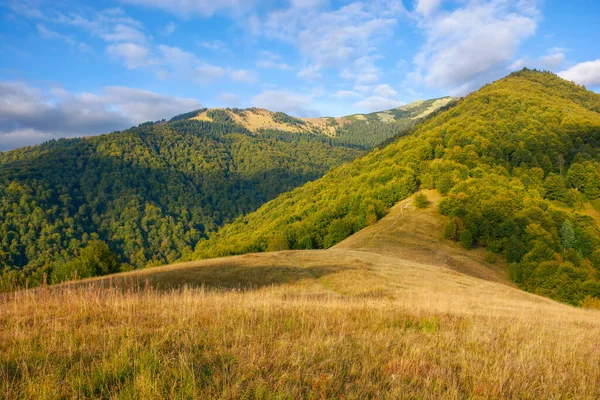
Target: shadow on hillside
[223,277]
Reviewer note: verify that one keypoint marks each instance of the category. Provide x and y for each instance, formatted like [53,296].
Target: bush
[466,239]
[490,257]
[421,201]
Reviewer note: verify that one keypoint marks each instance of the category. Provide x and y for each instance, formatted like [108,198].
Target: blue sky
[75,68]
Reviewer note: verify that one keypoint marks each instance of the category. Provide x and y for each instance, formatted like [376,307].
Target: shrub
[421,201]
[466,239]
[490,257]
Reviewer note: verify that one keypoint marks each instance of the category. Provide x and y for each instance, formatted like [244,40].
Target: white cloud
[124,33]
[269,64]
[427,7]
[243,75]
[377,103]
[310,72]
[47,33]
[288,102]
[552,60]
[473,43]
[382,97]
[188,66]
[132,55]
[335,38]
[345,94]
[204,8]
[169,29]
[585,73]
[216,45]
[362,71]
[385,91]
[270,60]
[206,74]
[30,115]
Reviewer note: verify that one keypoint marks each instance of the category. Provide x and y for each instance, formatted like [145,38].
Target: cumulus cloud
[292,103]
[270,60]
[331,38]
[427,7]
[188,66]
[130,54]
[243,75]
[204,8]
[310,72]
[585,73]
[377,103]
[345,94]
[382,97]
[554,59]
[473,43]
[30,115]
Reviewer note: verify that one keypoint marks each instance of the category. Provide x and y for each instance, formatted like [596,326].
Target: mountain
[413,111]
[147,195]
[516,161]
[363,131]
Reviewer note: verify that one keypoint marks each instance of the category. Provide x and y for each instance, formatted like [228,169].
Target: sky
[77,68]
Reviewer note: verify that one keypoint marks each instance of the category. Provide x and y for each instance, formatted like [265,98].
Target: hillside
[516,162]
[149,193]
[414,111]
[395,311]
[363,131]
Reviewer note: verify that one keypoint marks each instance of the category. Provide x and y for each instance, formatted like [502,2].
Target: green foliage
[567,235]
[151,192]
[95,259]
[421,200]
[490,257]
[283,118]
[498,155]
[466,239]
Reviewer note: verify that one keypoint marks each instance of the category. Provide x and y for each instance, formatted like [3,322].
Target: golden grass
[256,118]
[357,321]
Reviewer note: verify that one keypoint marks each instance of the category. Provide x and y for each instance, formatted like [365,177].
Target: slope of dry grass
[385,314]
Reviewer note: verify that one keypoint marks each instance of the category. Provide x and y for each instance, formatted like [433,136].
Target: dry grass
[363,322]
[257,118]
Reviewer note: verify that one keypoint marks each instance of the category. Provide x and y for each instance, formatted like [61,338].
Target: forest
[516,161]
[142,197]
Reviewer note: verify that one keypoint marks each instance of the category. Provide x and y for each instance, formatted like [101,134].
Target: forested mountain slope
[150,192]
[145,196]
[363,131]
[517,162]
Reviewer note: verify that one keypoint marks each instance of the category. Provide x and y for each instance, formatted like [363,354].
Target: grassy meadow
[353,322]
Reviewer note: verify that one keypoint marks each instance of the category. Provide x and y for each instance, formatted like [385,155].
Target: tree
[567,235]
[555,187]
[576,176]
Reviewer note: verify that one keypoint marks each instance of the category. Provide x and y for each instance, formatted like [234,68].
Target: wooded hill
[147,195]
[517,162]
